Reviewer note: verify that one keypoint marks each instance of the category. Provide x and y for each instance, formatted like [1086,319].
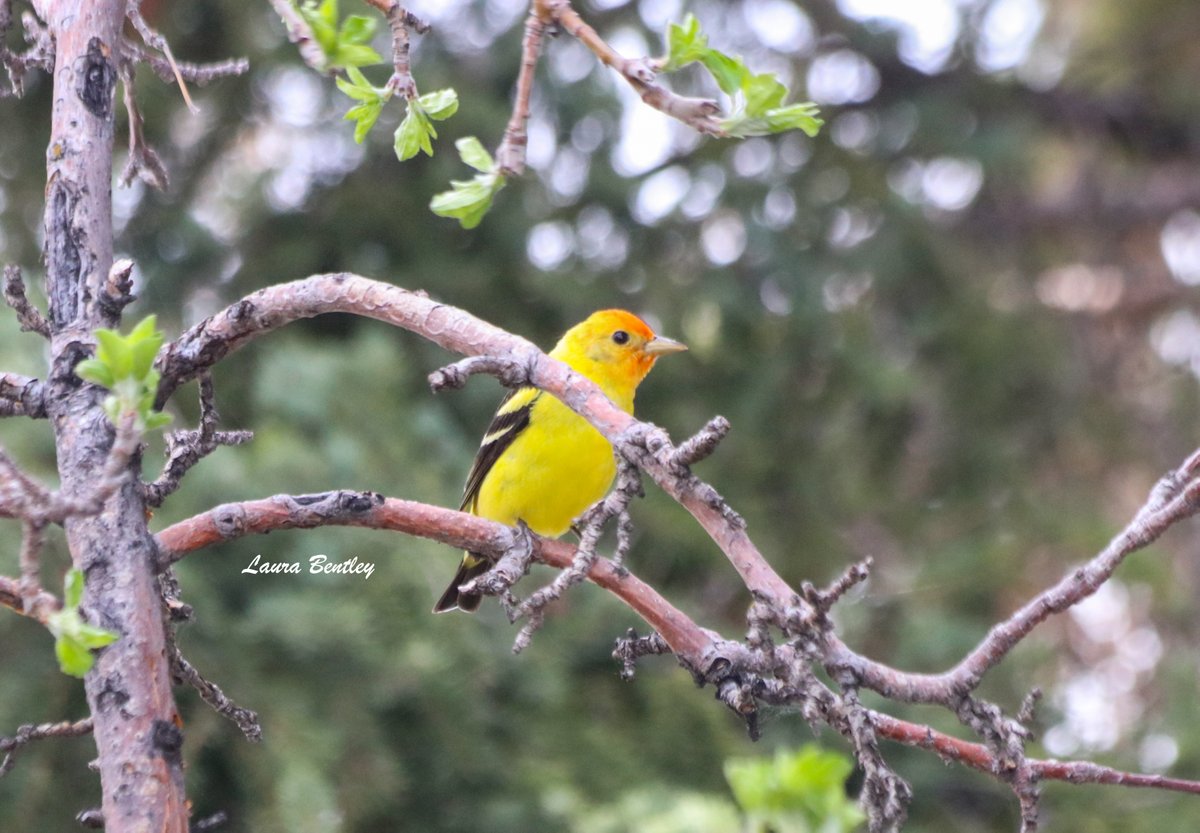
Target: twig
[698,113]
[143,162]
[629,648]
[184,672]
[198,74]
[28,733]
[187,448]
[23,497]
[14,597]
[1175,497]
[614,505]
[703,443]
[40,53]
[400,21]
[28,315]
[510,156]
[156,41]
[299,33]
[459,530]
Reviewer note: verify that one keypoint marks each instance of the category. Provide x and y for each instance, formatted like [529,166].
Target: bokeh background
[957,331]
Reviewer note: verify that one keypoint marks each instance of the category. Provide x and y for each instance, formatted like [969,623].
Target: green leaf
[763,92]
[73,588]
[73,637]
[468,201]
[474,154]
[94,371]
[142,353]
[728,72]
[440,104]
[357,28]
[90,636]
[804,789]
[114,352]
[322,19]
[157,419]
[358,87]
[352,55]
[74,659]
[364,117]
[686,44]
[415,133]
[795,117]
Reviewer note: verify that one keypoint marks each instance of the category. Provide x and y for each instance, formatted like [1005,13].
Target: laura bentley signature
[317,565]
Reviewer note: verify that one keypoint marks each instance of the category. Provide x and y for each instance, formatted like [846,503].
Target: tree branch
[456,529]
[400,21]
[29,733]
[698,113]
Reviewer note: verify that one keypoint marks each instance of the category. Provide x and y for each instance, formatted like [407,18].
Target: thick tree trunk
[129,689]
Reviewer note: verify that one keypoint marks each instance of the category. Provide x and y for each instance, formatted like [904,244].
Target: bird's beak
[660,345]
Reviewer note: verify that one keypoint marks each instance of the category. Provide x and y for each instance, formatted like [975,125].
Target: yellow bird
[539,461]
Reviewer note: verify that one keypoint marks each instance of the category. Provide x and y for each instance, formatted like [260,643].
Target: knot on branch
[1004,737]
[512,373]
[628,649]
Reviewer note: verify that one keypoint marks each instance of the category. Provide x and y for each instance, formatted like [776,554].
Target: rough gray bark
[129,689]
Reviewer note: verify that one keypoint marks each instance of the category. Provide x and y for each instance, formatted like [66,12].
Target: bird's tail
[472,565]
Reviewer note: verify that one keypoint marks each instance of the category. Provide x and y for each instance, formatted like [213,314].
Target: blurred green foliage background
[957,332]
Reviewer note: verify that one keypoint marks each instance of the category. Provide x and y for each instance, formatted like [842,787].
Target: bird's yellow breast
[551,473]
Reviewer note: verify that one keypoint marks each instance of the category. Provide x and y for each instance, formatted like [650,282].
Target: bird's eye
[620,336]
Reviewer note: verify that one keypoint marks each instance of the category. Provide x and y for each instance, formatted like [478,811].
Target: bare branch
[23,497]
[703,443]
[29,733]
[198,74]
[510,156]
[143,162]
[698,113]
[456,529]
[156,41]
[400,22]
[28,315]
[1175,497]
[184,672]
[40,53]
[187,448]
[39,608]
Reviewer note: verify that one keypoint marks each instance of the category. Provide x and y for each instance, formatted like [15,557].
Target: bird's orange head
[615,349]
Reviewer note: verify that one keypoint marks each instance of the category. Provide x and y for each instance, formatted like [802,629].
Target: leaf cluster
[468,200]
[800,791]
[759,109]
[75,639]
[344,45]
[125,365]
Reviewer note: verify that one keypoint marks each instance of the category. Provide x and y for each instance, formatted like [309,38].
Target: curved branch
[695,647]
[690,643]
[267,309]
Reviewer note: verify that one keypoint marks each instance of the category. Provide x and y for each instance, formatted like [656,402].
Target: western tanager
[539,461]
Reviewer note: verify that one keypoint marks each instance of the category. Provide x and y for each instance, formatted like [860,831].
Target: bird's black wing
[512,417]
